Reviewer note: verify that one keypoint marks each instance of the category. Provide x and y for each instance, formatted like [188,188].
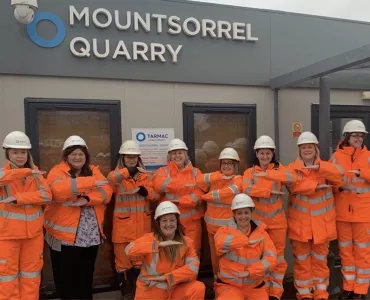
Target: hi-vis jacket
[221,194]
[353,206]
[175,184]
[132,212]
[61,220]
[155,263]
[24,218]
[311,212]
[269,207]
[239,252]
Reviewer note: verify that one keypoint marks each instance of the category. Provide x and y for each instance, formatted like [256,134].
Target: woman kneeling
[246,254]
[170,264]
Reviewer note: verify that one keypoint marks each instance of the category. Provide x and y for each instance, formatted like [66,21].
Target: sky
[344,9]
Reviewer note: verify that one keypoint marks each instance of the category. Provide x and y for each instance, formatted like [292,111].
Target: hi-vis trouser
[354,251]
[21,262]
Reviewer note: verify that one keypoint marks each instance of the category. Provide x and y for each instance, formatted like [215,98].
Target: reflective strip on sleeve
[103,193]
[216,196]
[226,245]
[164,185]
[74,186]
[8,278]
[118,176]
[345,244]
[128,248]
[207,178]
[21,217]
[55,180]
[30,274]
[270,214]
[45,196]
[60,228]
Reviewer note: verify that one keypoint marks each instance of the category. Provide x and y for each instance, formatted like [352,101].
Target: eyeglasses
[358,135]
[227,164]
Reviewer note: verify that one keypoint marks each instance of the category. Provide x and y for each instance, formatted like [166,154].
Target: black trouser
[73,271]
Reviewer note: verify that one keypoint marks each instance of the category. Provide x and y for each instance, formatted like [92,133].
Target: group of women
[157,257]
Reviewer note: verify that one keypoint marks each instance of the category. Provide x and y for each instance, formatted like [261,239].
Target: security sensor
[24,10]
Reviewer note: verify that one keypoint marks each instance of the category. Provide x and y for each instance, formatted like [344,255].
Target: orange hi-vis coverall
[270,210]
[174,184]
[253,252]
[132,214]
[21,236]
[311,226]
[221,194]
[180,276]
[61,220]
[353,218]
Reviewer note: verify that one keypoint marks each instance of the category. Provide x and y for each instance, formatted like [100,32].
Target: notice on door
[153,143]
[297,128]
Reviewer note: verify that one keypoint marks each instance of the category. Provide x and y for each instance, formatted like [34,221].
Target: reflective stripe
[152,268]
[8,278]
[74,187]
[239,259]
[118,176]
[164,185]
[189,260]
[276,285]
[195,269]
[130,198]
[170,277]
[303,282]
[281,258]
[194,172]
[30,274]
[348,268]
[207,178]
[247,180]
[21,217]
[269,253]
[188,214]
[226,245]
[232,278]
[345,244]
[363,271]
[234,188]
[327,196]
[277,276]
[150,283]
[45,196]
[216,196]
[289,177]
[55,180]
[304,291]
[302,256]
[3,261]
[2,173]
[104,194]
[321,211]
[67,203]
[321,287]
[128,248]
[218,205]
[298,207]
[339,168]
[217,222]
[270,214]
[132,209]
[265,264]
[60,228]
[349,277]
[194,198]
[362,245]
[362,280]
[318,256]
[358,179]
[7,191]
[320,279]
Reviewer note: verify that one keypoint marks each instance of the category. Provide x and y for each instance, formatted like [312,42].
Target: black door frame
[341,111]
[33,105]
[189,109]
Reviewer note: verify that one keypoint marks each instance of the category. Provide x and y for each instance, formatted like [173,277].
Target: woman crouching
[170,264]
[246,254]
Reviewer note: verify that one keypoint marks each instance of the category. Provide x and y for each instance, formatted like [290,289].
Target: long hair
[256,161]
[187,158]
[29,164]
[121,162]
[236,167]
[85,170]
[345,142]
[317,153]
[171,252]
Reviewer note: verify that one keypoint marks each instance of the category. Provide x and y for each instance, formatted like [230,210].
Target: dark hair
[345,142]
[256,161]
[85,171]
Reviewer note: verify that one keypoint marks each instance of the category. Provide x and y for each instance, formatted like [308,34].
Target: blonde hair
[187,159]
[29,164]
[171,252]
[317,153]
[236,166]
[121,162]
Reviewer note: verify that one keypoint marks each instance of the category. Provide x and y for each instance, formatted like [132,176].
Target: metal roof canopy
[320,70]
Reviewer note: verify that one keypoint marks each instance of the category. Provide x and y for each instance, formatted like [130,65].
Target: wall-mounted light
[24,10]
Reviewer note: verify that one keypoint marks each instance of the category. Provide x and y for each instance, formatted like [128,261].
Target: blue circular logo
[40,41]
[140,136]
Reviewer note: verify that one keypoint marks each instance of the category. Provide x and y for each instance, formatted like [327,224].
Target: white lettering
[144,23]
[95,49]
[196,24]
[121,49]
[206,29]
[79,16]
[104,12]
[84,51]
[116,20]
[173,52]
[222,30]
[237,30]
[173,22]
[154,52]
[159,19]
[141,52]
[249,36]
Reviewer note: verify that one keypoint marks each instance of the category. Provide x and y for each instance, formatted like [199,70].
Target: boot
[134,274]
[359,297]
[346,295]
[125,286]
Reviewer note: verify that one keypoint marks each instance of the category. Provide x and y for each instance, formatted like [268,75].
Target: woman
[222,186]
[264,182]
[352,203]
[132,211]
[311,218]
[74,221]
[23,192]
[246,254]
[169,262]
[177,183]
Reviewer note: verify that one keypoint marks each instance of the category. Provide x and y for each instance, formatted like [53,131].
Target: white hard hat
[307,137]
[17,140]
[242,201]
[211,148]
[264,142]
[74,140]
[177,144]
[354,126]
[164,208]
[229,153]
[130,147]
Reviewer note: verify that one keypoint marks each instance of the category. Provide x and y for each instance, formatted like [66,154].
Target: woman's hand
[169,243]
[357,172]
[82,201]
[261,174]
[157,278]
[8,200]
[277,193]
[313,168]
